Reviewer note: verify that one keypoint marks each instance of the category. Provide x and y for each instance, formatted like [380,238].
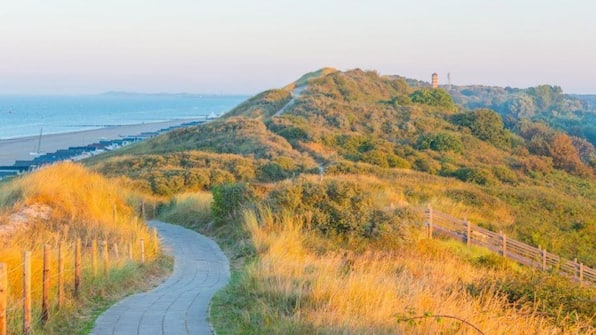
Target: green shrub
[272,171]
[474,175]
[485,124]
[395,161]
[433,97]
[439,142]
[335,208]
[505,174]
[228,199]
[556,294]
[426,164]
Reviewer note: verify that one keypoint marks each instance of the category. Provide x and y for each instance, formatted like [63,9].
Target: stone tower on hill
[435,82]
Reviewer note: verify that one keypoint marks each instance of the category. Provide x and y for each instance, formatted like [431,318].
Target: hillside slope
[528,180]
[353,159]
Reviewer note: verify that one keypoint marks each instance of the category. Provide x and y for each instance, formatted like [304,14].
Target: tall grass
[60,204]
[192,210]
[300,283]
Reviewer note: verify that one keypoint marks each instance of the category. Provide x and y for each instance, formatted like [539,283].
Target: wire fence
[464,231]
[37,286]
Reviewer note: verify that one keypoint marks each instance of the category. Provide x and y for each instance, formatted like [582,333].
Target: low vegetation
[299,282]
[320,209]
[60,204]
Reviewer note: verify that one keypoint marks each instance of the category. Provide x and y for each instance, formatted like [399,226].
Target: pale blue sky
[233,46]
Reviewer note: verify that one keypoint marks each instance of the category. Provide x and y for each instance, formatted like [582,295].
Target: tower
[435,80]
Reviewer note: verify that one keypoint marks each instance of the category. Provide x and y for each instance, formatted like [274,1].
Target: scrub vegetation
[60,204]
[320,209]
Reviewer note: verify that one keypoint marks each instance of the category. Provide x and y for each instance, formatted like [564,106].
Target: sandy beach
[12,150]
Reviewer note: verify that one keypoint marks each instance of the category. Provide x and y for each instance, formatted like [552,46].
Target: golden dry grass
[192,210]
[337,291]
[60,204]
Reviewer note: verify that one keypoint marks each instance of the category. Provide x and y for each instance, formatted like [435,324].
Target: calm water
[26,115]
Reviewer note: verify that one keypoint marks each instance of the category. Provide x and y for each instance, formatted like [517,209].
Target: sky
[244,47]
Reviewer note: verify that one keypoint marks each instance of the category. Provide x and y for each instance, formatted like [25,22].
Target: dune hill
[354,158]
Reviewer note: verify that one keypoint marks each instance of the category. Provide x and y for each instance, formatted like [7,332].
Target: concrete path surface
[179,305]
[296,93]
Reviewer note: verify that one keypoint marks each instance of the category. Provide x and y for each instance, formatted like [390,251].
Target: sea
[22,116]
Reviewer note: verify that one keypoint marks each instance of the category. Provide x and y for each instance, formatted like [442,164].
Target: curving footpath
[180,305]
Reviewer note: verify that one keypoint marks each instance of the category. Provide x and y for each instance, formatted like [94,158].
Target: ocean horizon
[29,115]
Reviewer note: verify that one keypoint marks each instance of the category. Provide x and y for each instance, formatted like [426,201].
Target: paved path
[296,93]
[180,305]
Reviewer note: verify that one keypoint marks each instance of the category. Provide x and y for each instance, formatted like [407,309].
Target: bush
[335,208]
[473,175]
[398,162]
[439,142]
[228,199]
[272,172]
[426,164]
[485,124]
[557,294]
[433,97]
[504,174]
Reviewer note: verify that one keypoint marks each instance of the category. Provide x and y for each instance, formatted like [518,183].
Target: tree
[439,142]
[544,141]
[545,95]
[485,124]
[433,97]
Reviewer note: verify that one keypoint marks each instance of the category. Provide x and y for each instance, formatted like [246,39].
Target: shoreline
[20,148]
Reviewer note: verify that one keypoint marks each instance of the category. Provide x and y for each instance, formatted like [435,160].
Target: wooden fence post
[60,275]
[581,273]
[429,222]
[544,259]
[116,251]
[77,264]
[26,292]
[94,256]
[504,247]
[143,210]
[45,295]
[142,251]
[106,264]
[468,232]
[130,256]
[3,297]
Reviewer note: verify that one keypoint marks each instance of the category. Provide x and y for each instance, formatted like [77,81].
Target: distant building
[435,82]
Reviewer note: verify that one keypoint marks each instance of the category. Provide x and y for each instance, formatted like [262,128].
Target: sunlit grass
[300,283]
[60,204]
[192,210]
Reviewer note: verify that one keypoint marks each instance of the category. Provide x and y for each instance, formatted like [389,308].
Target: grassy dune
[300,283]
[291,279]
[345,173]
[60,204]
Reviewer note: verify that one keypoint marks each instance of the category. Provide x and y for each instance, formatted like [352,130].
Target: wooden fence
[462,230]
[55,272]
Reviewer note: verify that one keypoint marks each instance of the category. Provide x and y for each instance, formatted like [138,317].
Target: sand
[12,150]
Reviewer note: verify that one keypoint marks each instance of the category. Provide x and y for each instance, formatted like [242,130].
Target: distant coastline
[14,149]
[26,115]
[180,94]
